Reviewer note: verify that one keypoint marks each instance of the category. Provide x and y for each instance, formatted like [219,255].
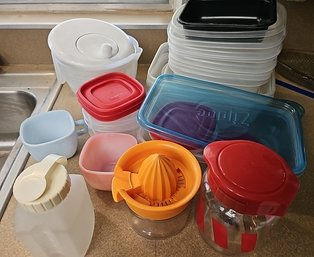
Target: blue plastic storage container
[194,113]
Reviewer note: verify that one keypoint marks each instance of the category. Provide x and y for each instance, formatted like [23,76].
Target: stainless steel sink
[15,106]
[21,96]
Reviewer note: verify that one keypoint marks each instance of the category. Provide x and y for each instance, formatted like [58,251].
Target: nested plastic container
[54,215]
[234,56]
[160,66]
[157,180]
[244,192]
[110,103]
[85,48]
[195,112]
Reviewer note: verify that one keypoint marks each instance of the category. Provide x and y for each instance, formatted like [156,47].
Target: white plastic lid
[43,185]
[89,42]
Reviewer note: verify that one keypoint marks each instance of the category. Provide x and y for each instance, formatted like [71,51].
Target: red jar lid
[249,177]
[111,96]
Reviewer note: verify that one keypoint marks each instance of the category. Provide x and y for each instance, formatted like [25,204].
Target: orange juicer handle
[124,181]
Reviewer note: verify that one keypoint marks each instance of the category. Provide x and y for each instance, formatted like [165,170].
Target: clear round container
[159,229]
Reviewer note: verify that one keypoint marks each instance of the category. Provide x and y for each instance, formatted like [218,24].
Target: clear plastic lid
[228,66]
[224,54]
[159,66]
[237,114]
[227,43]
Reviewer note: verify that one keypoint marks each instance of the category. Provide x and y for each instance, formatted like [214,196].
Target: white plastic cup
[127,124]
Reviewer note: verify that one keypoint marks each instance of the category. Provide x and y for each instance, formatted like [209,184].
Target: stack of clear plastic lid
[244,59]
[159,66]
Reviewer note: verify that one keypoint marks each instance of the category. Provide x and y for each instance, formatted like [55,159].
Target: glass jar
[227,230]
[245,190]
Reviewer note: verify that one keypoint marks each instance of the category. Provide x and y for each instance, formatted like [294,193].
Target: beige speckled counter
[292,236]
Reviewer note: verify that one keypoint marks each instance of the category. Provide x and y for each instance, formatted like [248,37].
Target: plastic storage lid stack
[231,113]
[241,57]
[110,103]
[84,48]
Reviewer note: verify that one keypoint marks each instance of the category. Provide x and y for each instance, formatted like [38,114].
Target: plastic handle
[124,181]
[37,179]
[83,130]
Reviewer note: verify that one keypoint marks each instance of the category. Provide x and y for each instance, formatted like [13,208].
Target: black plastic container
[229,15]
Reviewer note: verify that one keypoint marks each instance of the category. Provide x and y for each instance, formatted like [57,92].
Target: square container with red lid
[110,102]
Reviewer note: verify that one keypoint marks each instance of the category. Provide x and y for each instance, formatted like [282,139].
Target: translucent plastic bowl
[127,124]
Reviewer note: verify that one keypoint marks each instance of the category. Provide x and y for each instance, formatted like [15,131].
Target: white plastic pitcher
[85,48]
[54,215]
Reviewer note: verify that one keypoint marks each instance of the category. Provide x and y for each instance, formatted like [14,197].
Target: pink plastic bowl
[99,156]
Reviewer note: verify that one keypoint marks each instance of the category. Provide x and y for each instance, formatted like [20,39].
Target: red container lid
[249,177]
[111,96]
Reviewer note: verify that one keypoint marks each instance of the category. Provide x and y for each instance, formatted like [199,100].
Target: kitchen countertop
[292,236]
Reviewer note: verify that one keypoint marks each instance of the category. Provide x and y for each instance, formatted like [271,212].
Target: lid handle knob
[106,51]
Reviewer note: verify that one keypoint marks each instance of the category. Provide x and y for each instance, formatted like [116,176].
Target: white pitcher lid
[43,185]
[89,42]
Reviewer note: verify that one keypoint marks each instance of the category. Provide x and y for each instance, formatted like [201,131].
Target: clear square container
[195,112]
